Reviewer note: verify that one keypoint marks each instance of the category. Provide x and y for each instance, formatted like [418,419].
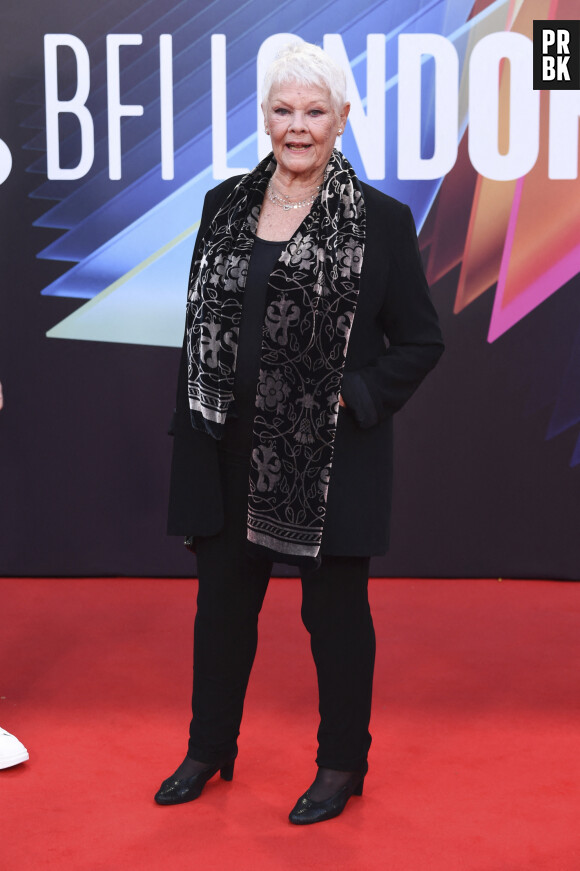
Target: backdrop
[115,118]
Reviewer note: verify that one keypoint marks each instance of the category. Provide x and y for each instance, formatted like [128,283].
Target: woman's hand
[341,401]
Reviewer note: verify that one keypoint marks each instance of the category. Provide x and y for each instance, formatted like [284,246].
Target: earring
[340,131]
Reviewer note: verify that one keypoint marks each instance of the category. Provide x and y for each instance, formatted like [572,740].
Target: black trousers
[335,611]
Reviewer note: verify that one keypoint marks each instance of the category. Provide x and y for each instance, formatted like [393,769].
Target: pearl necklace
[283,201]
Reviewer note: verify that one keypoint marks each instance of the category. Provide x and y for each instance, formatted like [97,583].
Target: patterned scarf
[310,307]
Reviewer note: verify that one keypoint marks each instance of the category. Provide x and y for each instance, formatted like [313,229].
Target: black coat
[393,302]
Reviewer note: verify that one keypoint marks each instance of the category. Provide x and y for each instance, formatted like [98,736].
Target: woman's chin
[300,164]
[301,158]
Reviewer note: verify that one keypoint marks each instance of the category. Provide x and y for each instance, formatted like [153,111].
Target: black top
[237,437]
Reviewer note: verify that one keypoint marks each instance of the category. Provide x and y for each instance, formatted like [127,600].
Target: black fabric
[335,611]
[393,304]
[238,430]
[358,399]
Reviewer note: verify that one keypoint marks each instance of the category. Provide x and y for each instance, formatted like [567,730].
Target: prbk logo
[557,55]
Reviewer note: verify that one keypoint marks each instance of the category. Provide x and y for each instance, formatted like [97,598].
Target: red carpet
[474,766]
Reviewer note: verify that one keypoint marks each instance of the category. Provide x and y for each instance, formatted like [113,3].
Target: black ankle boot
[179,790]
[307,811]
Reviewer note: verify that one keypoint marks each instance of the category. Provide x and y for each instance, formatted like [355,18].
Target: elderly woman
[283,432]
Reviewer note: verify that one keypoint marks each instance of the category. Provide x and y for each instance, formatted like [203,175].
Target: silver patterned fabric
[310,306]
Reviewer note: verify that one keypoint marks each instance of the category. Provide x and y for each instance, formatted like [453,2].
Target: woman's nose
[298,122]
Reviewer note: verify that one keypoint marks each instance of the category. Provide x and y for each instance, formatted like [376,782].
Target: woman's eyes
[314,112]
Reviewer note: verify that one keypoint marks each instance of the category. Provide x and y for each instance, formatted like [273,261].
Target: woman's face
[303,126]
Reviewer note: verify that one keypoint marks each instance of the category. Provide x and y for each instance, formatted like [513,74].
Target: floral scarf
[310,307]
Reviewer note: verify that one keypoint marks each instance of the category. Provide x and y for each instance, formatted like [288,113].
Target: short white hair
[306,64]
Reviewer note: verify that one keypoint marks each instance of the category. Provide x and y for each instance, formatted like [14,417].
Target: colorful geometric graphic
[523,236]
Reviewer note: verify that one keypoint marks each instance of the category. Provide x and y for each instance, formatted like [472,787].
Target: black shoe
[175,791]
[307,811]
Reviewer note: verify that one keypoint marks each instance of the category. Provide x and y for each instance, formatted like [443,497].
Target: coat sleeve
[410,324]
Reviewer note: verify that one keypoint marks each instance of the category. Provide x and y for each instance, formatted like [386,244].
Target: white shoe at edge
[12,752]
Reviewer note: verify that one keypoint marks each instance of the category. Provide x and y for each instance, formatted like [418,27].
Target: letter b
[548,68]
[75,106]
